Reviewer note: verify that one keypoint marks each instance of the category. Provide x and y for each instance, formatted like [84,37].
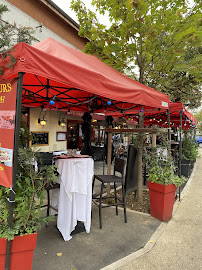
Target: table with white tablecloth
[75,195]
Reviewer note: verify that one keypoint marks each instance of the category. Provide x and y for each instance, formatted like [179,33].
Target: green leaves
[198,117]
[29,196]
[189,149]
[10,35]
[160,165]
[155,36]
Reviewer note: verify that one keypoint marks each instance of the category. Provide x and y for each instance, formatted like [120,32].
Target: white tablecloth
[75,195]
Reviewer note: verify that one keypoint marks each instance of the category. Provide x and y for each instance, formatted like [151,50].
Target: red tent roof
[75,77]
[159,116]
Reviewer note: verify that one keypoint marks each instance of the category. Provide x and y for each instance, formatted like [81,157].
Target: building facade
[48,20]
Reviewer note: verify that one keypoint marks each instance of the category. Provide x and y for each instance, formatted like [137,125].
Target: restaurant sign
[8,89]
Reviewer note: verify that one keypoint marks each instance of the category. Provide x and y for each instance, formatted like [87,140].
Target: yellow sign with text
[4,88]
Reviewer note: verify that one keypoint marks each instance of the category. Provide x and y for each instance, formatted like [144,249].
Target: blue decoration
[51,102]
[141,110]
[109,102]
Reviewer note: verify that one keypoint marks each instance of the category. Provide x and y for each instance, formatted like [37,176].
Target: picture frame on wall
[61,136]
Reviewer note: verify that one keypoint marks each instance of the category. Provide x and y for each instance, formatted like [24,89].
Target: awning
[76,81]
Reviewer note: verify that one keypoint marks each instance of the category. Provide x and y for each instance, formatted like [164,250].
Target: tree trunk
[141,77]
[140,63]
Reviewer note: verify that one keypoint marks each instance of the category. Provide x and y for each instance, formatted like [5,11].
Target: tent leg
[180,150]
[139,160]
[109,154]
[168,119]
[15,153]
[109,120]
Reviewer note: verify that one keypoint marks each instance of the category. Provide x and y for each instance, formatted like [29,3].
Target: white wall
[15,15]
[52,127]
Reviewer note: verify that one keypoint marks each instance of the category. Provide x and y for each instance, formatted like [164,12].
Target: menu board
[40,138]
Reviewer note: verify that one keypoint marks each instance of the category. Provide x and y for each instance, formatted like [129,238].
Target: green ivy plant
[29,190]
[161,169]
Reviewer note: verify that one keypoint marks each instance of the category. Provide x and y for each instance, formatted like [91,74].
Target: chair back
[119,166]
[45,158]
[131,169]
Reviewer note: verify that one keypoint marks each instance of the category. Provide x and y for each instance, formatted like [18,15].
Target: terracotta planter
[161,200]
[22,249]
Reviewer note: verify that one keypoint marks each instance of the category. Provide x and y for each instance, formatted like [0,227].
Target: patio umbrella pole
[180,149]
[11,199]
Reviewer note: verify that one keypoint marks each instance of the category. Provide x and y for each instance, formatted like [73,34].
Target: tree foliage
[10,35]
[161,38]
[198,117]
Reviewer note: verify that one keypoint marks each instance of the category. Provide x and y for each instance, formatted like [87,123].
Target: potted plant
[189,155]
[162,178]
[29,198]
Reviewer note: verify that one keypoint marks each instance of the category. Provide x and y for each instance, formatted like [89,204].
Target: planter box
[161,200]
[192,164]
[22,249]
[185,167]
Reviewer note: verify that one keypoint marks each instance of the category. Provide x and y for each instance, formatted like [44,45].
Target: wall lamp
[62,120]
[42,118]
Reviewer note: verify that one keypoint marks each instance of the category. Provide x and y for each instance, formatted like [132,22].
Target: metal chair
[48,188]
[46,159]
[104,179]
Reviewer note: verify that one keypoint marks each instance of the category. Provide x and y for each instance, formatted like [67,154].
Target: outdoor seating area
[68,175]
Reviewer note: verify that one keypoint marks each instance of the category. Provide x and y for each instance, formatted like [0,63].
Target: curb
[154,238]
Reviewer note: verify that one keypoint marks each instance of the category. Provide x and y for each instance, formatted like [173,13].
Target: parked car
[199,140]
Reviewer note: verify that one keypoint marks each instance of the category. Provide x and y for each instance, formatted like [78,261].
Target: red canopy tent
[76,81]
[175,109]
[159,116]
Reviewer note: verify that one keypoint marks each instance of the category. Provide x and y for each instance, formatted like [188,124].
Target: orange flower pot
[162,199]
[22,249]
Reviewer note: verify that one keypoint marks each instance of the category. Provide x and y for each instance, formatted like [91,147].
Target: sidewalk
[177,244]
